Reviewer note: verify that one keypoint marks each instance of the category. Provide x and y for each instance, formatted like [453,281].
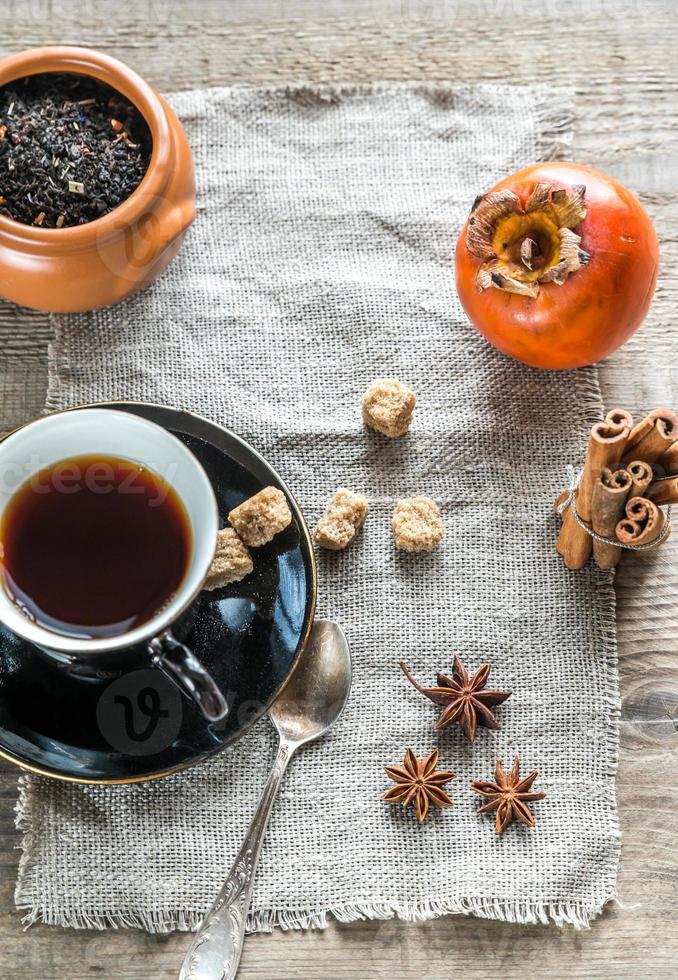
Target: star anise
[508,795]
[465,701]
[418,784]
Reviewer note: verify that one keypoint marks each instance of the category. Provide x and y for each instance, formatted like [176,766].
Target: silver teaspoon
[310,704]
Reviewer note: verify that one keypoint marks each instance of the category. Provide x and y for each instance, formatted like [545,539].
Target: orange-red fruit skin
[598,307]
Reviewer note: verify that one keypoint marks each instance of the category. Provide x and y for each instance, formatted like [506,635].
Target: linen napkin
[321,259]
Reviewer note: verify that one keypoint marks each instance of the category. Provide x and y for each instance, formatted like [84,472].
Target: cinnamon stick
[574,544]
[669,461]
[652,437]
[641,476]
[639,431]
[664,491]
[606,445]
[643,523]
[610,493]
[615,417]
[619,416]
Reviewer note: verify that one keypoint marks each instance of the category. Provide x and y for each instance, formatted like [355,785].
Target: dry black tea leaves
[508,795]
[464,699]
[418,784]
[71,150]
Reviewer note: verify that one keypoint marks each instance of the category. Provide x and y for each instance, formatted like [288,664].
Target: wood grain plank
[619,60]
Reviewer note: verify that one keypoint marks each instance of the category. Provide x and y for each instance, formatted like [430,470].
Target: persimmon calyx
[522,247]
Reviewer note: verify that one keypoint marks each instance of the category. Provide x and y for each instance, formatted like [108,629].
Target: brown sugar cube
[258,519]
[417,524]
[231,563]
[388,406]
[344,516]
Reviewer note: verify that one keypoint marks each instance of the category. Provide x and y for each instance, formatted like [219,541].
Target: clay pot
[70,270]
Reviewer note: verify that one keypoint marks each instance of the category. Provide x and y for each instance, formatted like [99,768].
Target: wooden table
[619,58]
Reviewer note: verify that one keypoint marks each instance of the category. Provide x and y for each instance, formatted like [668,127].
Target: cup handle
[182,667]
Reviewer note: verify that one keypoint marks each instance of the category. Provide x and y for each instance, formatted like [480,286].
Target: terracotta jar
[70,270]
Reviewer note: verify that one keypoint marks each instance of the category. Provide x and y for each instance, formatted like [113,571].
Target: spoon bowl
[317,691]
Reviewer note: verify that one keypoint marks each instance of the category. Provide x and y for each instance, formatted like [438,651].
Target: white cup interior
[90,431]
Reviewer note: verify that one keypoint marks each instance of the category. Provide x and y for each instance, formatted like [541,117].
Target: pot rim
[75,60]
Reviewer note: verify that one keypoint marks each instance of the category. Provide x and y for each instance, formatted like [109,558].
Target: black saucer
[124,728]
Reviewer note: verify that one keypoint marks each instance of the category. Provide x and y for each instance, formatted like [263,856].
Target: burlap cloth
[321,258]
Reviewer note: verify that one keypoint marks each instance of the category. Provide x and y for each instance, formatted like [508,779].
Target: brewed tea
[94,546]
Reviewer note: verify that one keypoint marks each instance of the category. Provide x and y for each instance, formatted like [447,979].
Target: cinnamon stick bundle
[653,437]
[610,493]
[643,523]
[664,491]
[630,471]
[607,443]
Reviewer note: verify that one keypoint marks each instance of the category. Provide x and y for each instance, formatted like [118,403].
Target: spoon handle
[217,946]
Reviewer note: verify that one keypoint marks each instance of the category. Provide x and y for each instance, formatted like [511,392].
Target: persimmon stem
[525,245]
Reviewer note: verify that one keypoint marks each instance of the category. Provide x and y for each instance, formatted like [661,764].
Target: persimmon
[556,265]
